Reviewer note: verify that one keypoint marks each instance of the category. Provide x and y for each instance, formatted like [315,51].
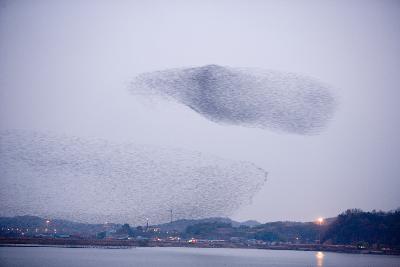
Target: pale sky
[66,65]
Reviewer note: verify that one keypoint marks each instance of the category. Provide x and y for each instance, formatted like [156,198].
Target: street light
[47,225]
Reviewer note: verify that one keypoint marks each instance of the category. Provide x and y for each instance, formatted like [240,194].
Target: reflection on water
[320,258]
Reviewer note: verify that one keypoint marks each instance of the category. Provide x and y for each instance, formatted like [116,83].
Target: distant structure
[171,214]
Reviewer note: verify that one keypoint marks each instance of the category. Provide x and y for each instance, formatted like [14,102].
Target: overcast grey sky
[65,67]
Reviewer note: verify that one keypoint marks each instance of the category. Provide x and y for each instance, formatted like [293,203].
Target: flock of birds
[95,181]
[247,97]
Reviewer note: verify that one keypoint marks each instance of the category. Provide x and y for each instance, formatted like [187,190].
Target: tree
[125,229]
[101,235]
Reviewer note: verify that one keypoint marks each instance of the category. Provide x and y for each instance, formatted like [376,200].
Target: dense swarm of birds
[95,181]
[242,96]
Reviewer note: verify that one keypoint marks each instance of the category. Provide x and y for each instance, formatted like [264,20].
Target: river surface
[179,257]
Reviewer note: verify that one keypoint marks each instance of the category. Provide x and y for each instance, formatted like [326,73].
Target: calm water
[177,257]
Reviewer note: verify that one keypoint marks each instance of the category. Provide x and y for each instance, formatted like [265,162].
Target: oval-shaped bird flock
[96,181]
[243,96]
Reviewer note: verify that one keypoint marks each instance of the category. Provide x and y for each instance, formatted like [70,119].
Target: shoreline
[128,244]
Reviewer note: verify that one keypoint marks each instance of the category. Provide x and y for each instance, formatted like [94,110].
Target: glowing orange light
[320,259]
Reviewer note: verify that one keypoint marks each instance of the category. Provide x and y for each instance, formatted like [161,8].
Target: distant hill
[181,225]
[22,221]
[39,225]
[250,223]
[297,232]
[365,228]
[32,225]
[355,227]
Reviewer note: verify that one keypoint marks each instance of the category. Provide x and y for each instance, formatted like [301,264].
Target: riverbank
[113,244]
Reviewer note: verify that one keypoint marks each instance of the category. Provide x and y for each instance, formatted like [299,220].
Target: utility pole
[171,214]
